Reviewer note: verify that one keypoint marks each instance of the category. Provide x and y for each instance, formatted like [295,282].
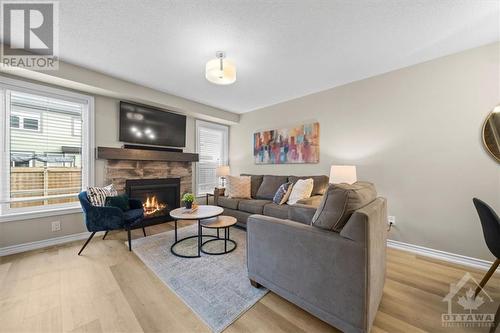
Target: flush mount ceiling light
[220,70]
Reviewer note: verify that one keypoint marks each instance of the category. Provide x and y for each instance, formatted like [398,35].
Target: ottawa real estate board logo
[29,33]
[467,302]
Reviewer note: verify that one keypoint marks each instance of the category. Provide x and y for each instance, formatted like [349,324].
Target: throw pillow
[340,201]
[282,194]
[301,190]
[97,195]
[119,201]
[238,187]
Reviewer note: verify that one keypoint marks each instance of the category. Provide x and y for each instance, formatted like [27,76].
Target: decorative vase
[188,204]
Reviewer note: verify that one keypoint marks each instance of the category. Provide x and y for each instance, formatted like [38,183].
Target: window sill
[40,214]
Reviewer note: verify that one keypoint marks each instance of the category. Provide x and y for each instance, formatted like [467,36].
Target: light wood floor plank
[109,289]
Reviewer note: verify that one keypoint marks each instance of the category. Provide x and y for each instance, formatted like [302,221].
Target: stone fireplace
[158,178]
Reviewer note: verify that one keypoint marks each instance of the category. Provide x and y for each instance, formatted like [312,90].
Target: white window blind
[44,165]
[212,146]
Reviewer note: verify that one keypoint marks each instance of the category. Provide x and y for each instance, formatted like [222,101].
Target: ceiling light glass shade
[220,71]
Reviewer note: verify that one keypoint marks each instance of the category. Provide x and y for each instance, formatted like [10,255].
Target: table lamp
[222,171]
[343,174]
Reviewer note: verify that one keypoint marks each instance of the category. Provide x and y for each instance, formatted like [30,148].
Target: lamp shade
[343,174]
[222,171]
[220,70]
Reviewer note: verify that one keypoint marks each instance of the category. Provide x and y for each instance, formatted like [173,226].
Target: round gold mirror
[491,133]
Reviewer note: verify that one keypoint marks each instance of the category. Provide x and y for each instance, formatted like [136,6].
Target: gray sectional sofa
[263,188]
[338,276]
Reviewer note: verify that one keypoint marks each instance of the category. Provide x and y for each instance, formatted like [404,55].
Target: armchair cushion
[135,204]
[132,216]
[119,201]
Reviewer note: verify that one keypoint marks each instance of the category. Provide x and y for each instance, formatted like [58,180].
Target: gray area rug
[215,287]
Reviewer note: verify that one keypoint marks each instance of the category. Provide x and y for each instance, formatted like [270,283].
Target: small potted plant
[188,199]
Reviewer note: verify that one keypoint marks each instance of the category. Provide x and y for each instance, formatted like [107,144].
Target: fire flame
[152,206]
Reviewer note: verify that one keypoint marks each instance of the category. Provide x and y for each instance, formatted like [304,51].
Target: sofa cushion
[253,206]
[320,183]
[282,194]
[301,190]
[238,187]
[227,202]
[278,211]
[340,201]
[269,186]
[301,213]
[255,182]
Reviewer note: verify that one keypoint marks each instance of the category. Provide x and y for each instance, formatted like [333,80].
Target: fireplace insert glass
[158,196]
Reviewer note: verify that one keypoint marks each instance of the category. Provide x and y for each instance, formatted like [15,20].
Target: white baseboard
[441,255]
[420,250]
[4,251]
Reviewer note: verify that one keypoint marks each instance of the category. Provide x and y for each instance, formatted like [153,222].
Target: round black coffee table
[219,222]
[203,212]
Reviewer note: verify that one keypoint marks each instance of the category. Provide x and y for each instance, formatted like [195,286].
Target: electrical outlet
[391,220]
[56,226]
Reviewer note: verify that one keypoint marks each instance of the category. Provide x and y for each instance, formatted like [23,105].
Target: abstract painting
[299,144]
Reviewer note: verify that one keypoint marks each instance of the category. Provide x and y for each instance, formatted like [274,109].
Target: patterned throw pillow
[301,190]
[282,194]
[97,195]
[238,187]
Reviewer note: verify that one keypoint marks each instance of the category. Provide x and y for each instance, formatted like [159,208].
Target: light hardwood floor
[108,289]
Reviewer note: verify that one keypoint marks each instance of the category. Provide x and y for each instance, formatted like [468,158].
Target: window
[30,124]
[212,146]
[77,127]
[43,170]
[25,120]
[15,121]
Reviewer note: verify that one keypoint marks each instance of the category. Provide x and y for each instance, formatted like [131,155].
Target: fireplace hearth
[158,196]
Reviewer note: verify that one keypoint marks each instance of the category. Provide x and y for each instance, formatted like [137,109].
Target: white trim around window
[87,148]
[213,157]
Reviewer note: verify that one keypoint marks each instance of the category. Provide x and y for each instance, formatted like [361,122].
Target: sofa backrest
[269,186]
[265,186]
[255,182]
[320,183]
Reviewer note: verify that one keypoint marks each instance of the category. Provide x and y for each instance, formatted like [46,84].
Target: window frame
[87,149]
[216,126]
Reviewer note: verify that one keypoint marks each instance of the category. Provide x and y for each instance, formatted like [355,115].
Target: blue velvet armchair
[111,218]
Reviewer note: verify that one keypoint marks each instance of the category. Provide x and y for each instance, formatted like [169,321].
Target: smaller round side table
[219,222]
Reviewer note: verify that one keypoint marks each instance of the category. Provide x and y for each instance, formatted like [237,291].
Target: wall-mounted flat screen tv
[151,126]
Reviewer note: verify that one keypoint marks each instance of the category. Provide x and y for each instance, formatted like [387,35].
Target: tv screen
[151,126]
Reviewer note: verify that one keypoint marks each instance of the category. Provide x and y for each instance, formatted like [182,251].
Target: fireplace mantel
[109,153]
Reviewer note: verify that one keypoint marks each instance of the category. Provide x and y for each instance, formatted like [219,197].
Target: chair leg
[144,232]
[485,279]
[88,240]
[105,234]
[129,240]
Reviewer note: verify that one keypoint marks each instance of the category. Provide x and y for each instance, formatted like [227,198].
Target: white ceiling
[282,49]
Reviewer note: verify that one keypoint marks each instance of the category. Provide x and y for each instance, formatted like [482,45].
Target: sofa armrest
[218,192]
[312,267]
[311,201]
[301,213]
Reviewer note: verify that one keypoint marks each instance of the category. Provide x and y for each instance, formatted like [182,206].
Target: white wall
[415,133]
